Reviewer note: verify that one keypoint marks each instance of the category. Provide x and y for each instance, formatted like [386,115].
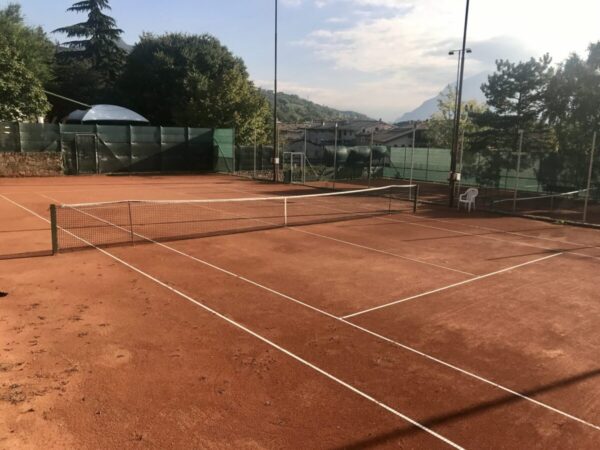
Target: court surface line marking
[516,233]
[416,223]
[450,286]
[354,244]
[259,337]
[396,343]
[293,228]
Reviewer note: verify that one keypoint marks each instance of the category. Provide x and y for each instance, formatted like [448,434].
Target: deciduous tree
[193,80]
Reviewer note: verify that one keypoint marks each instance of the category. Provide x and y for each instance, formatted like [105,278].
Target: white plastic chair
[468,198]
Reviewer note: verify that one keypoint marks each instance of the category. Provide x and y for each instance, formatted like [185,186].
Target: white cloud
[403,45]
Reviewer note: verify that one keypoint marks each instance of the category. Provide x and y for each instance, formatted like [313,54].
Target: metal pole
[130,221]
[589,180]
[305,141]
[456,85]
[518,171]
[370,160]
[457,117]
[54,229]
[462,150]
[412,153]
[335,155]
[254,153]
[427,165]
[275,136]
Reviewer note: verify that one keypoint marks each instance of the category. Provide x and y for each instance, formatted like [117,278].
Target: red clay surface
[484,332]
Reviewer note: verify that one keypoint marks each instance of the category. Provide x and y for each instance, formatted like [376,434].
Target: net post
[130,222]
[285,213]
[416,198]
[53,229]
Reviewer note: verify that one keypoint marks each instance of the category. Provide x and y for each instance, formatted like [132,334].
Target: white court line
[25,208]
[259,337]
[497,230]
[417,223]
[365,247]
[396,343]
[292,228]
[460,283]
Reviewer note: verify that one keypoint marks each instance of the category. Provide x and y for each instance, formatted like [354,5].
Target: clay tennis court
[432,329]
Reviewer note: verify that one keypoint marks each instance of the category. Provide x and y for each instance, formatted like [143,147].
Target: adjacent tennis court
[212,311]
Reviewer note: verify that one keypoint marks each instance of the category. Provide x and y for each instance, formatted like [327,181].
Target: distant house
[323,133]
[395,136]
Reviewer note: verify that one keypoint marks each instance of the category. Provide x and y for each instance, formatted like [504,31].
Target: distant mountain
[124,46]
[471,91]
[291,108]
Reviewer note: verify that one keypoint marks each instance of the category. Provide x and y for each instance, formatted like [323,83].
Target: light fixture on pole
[461,74]
[452,53]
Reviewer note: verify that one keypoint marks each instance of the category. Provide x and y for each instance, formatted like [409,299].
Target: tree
[441,124]
[193,80]
[21,94]
[30,44]
[97,44]
[573,110]
[516,95]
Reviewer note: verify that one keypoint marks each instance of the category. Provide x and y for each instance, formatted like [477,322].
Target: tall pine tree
[96,41]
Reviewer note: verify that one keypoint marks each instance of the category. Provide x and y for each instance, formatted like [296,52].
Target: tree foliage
[96,41]
[573,110]
[193,80]
[291,108]
[516,95]
[88,66]
[30,44]
[441,124]
[21,94]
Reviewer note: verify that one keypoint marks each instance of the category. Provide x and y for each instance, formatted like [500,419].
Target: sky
[378,57]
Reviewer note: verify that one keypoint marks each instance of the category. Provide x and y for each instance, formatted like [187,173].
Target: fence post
[254,173]
[514,208]
[63,155]
[335,155]
[188,151]
[370,166]
[96,148]
[19,143]
[160,138]
[589,180]
[427,165]
[130,139]
[412,153]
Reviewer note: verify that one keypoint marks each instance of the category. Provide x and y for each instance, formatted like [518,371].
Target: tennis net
[565,205]
[131,221]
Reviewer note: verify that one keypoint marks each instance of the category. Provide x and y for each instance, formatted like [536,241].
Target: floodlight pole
[589,180]
[275,137]
[454,152]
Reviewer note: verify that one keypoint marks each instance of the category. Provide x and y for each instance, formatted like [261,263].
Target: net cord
[248,199]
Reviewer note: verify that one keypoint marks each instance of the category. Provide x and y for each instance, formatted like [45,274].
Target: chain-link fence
[529,180]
